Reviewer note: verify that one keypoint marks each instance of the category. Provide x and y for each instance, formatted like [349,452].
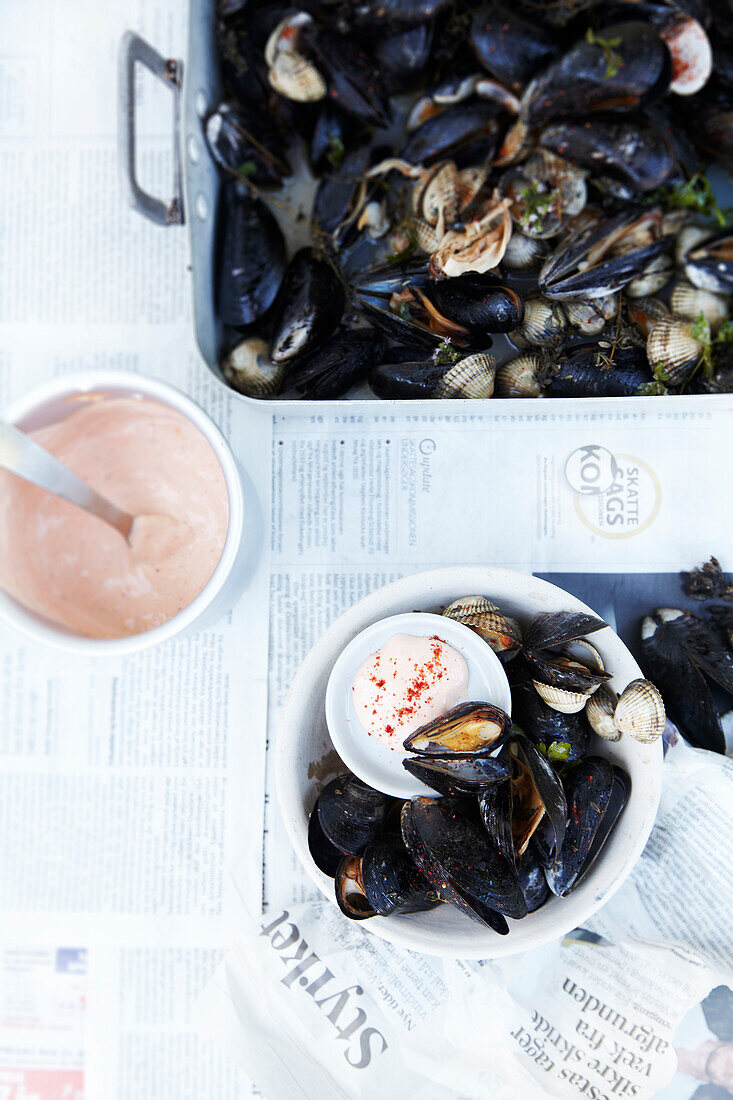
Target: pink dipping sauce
[78,571]
[406,683]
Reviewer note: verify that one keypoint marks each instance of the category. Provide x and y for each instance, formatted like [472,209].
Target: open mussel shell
[599,711]
[455,777]
[556,628]
[248,368]
[536,792]
[252,258]
[382,881]
[560,671]
[469,729]
[561,699]
[499,631]
[596,792]
[673,350]
[581,81]
[709,264]
[310,306]
[690,50]
[603,255]
[351,813]
[467,856]
[687,696]
[640,711]
[326,855]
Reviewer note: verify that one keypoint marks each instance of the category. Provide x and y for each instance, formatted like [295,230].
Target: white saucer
[377,764]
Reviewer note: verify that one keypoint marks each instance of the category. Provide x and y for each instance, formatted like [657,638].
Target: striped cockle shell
[467,606]
[434,197]
[690,301]
[524,252]
[498,631]
[599,711]
[519,377]
[469,183]
[470,377]
[671,346]
[640,711]
[560,699]
[248,368]
[542,323]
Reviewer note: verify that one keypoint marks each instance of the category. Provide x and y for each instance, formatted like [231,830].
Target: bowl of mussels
[428,200]
[522,819]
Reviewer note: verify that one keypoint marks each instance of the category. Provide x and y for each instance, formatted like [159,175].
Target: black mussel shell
[343,360]
[687,696]
[455,777]
[596,76]
[467,856]
[310,306]
[445,888]
[443,135]
[477,303]
[537,780]
[392,881]
[561,671]
[703,646]
[512,48]
[710,265]
[495,808]
[252,258]
[353,82]
[532,881]
[637,154]
[405,379]
[586,373]
[374,16]
[563,737]
[596,792]
[333,134]
[590,262]
[351,814]
[467,730]
[326,855]
[245,142]
[338,190]
[554,628]
[402,57]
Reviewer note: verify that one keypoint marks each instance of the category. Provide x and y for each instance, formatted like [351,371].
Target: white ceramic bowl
[378,764]
[302,749]
[49,403]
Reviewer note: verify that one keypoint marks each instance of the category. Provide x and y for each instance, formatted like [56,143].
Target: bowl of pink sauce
[69,579]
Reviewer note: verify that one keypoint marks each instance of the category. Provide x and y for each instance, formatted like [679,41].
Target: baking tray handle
[134,49]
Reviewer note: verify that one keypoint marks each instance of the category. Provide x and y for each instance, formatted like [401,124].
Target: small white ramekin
[46,405]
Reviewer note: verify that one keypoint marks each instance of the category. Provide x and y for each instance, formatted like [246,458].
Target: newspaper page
[131,791]
[313,1004]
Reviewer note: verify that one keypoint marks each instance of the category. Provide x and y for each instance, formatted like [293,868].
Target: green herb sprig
[613,60]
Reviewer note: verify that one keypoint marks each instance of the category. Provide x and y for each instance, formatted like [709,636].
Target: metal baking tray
[197,88]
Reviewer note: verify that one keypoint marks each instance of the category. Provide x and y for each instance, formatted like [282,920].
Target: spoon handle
[23,456]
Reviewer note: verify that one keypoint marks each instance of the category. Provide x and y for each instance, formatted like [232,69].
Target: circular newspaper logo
[628,506]
[590,470]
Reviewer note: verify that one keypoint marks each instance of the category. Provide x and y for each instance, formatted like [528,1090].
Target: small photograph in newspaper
[703,1044]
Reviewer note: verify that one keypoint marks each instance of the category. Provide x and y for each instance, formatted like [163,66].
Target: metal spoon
[23,456]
